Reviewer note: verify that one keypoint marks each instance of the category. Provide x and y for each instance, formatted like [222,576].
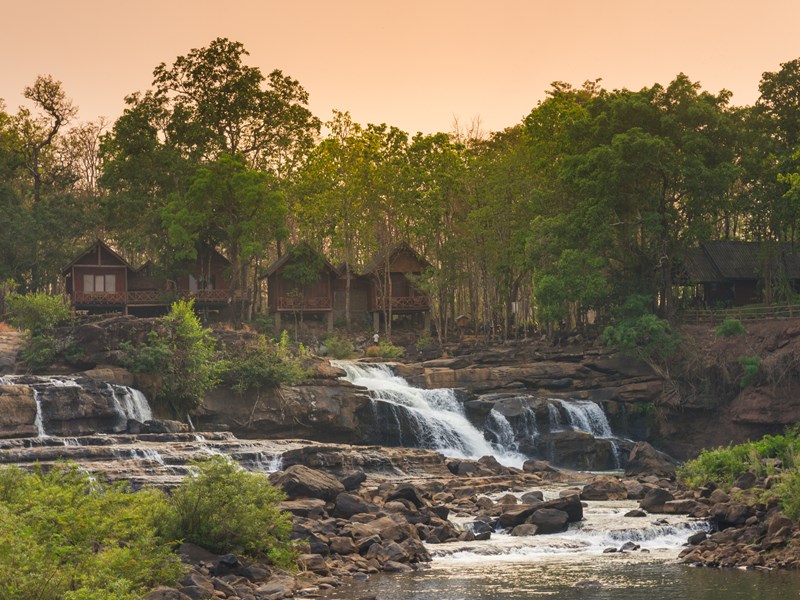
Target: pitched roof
[279,263]
[721,260]
[93,248]
[379,259]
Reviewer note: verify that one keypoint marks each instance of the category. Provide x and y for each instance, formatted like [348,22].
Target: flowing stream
[409,416]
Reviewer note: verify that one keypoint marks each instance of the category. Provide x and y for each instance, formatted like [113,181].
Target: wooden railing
[304,304]
[750,312]
[402,302]
[99,298]
[141,297]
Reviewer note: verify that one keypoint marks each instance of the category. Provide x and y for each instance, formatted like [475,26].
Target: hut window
[99,283]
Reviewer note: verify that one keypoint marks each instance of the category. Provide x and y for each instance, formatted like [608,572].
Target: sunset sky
[416,64]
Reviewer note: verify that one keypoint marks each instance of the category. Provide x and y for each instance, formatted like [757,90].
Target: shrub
[263,364]
[789,492]
[64,534]
[763,457]
[385,350]
[750,369]
[185,355]
[338,347]
[226,509]
[40,314]
[730,328]
[647,337]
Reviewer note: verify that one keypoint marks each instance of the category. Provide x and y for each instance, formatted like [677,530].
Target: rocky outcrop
[17,412]
[299,481]
[324,410]
[646,460]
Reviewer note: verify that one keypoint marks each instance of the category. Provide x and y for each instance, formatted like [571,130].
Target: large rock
[549,520]
[655,499]
[326,410]
[299,481]
[604,488]
[17,411]
[580,450]
[646,460]
[518,514]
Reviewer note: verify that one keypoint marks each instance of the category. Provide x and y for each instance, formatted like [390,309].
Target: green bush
[647,337]
[226,509]
[183,353]
[339,348]
[65,535]
[385,350]
[789,492]
[730,328]
[750,369]
[40,314]
[263,364]
[763,457]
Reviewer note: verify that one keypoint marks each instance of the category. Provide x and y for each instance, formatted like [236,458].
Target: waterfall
[38,420]
[586,416]
[426,418]
[129,403]
[556,424]
[502,430]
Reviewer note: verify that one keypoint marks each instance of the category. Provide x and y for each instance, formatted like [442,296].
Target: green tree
[183,354]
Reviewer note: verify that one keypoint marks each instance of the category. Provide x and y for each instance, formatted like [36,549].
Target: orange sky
[415,64]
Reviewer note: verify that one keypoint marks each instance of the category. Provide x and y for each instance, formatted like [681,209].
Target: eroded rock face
[646,460]
[325,410]
[17,411]
[299,481]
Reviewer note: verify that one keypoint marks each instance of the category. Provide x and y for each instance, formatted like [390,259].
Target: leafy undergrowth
[772,455]
[66,535]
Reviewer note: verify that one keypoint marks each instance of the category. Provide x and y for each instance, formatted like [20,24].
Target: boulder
[299,481]
[348,505]
[730,514]
[604,488]
[646,460]
[549,520]
[353,480]
[654,500]
[407,492]
[532,497]
[17,411]
[525,529]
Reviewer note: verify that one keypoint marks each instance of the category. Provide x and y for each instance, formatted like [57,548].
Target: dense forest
[595,196]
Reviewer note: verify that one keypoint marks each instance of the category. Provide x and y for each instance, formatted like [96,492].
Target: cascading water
[586,416]
[38,419]
[129,403]
[426,418]
[125,402]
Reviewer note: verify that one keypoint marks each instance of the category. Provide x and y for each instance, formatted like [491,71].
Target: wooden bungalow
[100,280]
[734,273]
[391,287]
[97,280]
[301,282]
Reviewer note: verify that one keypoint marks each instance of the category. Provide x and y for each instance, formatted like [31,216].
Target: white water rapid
[129,403]
[585,416]
[436,416]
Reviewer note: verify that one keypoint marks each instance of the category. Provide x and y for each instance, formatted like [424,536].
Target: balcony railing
[143,297]
[99,298]
[402,302]
[304,304]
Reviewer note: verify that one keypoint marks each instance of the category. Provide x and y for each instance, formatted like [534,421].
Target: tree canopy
[594,196]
